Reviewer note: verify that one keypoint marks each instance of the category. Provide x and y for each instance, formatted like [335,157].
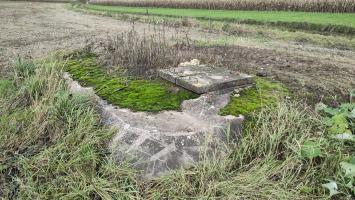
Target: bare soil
[33,29]
[306,77]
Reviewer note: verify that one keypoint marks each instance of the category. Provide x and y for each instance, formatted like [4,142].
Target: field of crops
[345,19]
[324,22]
[279,5]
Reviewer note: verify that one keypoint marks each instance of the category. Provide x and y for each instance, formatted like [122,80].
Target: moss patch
[131,93]
[264,93]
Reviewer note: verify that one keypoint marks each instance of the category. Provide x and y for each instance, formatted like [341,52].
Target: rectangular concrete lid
[202,79]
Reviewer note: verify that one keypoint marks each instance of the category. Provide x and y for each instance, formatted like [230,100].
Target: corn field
[272,5]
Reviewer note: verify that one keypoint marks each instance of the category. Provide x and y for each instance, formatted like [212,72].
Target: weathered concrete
[169,140]
[202,79]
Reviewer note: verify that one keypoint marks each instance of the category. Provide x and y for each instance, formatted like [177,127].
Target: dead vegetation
[142,54]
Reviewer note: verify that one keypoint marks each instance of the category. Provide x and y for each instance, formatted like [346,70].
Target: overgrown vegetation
[322,22]
[340,122]
[51,142]
[284,5]
[274,159]
[54,147]
[140,55]
[135,94]
[264,93]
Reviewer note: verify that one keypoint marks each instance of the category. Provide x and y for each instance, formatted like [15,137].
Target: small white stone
[241,117]
[193,62]
[237,90]
[230,117]
[217,77]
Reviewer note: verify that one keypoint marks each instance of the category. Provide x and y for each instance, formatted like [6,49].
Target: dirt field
[33,29]
[36,29]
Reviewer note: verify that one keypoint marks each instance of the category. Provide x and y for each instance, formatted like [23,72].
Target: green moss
[264,93]
[135,94]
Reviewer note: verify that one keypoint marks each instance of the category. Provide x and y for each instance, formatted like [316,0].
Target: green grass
[264,93]
[337,22]
[135,94]
[267,163]
[51,141]
[53,146]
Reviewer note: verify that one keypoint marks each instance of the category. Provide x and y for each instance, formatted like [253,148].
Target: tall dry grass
[142,54]
[280,5]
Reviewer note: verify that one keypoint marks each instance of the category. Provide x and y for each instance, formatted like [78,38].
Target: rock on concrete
[202,79]
[169,140]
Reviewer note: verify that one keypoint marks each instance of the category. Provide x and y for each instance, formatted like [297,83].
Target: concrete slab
[202,79]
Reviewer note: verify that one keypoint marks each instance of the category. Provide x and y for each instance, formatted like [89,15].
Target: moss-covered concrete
[264,93]
[132,93]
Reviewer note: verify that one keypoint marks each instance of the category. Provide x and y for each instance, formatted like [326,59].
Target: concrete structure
[202,79]
[155,144]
